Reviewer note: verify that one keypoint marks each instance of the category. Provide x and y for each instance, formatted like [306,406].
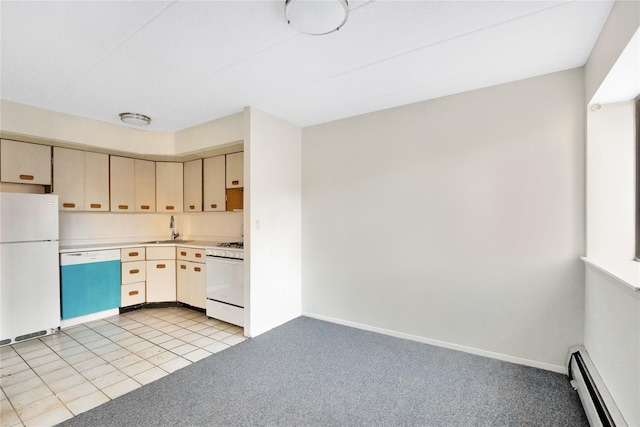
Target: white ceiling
[187,62]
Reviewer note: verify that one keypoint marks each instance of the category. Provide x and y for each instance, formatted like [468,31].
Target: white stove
[225,282]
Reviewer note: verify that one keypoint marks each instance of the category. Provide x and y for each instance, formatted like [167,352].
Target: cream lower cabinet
[161,273]
[191,277]
[133,269]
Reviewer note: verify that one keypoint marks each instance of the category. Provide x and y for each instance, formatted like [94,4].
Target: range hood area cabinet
[25,163]
[81,180]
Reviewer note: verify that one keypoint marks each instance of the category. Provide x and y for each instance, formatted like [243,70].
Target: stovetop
[234,245]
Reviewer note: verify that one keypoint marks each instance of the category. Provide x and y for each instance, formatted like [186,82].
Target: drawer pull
[160,266]
[196,268]
[198,255]
[169,208]
[27,177]
[95,205]
[144,207]
[235,182]
[134,271]
[133,253]
[183,267]
[132,293]
[123,207]
[68,205]
[214,206]
[192,207]
[183,253]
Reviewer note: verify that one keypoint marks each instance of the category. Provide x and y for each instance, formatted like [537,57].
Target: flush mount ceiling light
[316,17]
[135,119]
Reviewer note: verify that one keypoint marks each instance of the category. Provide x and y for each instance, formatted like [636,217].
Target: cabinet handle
[214,206]
[192,207]
[235,182]
[68,205]
[134,271]
[123,207]
[196,268]
[132,293]
[183,253]
[183,267]
[96,205]
[27,177]
[133,253]
[160,266]
[144,207]
[169,208]
[198,255]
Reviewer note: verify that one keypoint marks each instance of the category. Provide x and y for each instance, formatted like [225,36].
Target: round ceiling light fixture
[135,119]
[316,17]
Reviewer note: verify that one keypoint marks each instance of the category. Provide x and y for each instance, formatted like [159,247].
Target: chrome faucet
[172,226]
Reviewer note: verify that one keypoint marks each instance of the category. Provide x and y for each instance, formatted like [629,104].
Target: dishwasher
[90,283]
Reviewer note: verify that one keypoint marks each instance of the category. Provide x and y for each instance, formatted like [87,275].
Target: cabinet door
[193,186]
[25,163]
[213,183]
[145,185]
[235,170]
[122,184]
[183,281]
[68,178]
[198,285]
[161,280]
[96,182]
[169,188]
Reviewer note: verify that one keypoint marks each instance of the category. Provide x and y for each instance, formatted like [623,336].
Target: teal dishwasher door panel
[89,288]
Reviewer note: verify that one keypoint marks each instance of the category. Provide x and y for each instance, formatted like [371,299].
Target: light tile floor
[48,380]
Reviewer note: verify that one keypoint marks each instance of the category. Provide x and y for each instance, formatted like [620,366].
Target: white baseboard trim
[463,348]
[66,323]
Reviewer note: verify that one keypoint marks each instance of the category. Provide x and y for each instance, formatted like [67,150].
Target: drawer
[132,294]
[161,252]
[132,254]
[225,312]
[190,254]
[133,272]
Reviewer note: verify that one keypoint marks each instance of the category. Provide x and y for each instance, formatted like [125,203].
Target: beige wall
[457,221]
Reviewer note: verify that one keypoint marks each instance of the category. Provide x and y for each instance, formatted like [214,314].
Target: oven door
[225,280]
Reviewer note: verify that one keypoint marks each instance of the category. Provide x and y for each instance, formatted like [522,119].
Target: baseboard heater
[598,404]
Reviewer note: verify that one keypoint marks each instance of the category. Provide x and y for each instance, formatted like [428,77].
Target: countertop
[198,244]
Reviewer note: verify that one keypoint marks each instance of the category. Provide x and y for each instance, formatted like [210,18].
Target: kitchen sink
[164,241]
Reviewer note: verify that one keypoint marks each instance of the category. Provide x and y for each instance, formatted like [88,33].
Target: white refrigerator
[29,267]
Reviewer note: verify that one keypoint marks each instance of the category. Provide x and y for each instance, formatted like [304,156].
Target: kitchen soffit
[184,63]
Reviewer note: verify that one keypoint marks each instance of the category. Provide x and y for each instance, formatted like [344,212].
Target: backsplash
[107,227]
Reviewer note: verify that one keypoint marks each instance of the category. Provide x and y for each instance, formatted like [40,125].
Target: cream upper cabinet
[68,178]
[235,170]
[145,185]
[213,173]
[25,163]
[193,186]
[122,184]
[96,182]
[169,187]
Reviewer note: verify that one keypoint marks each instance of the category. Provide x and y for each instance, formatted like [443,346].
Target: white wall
[612,339]
[458,221]
[612,303]
[611,196]
[272,213]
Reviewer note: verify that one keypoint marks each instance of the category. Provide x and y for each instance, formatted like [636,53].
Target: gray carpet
[314,373]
